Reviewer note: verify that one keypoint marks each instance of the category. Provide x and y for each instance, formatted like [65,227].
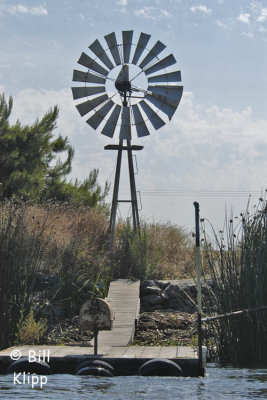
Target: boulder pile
[179,295]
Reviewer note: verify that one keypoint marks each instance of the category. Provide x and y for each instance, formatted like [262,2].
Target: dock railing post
[199,302]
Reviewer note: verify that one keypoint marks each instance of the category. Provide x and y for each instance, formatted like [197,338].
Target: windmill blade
[88,62]
[169,77]
[125,131]
[80,76]
[127,38]
[162,104]
[99,115]
[164,63]
[153,117]
[170,92]
[140,47]
[78,92]
[111,123]
[89,105]
[152,54]
[140,124]
[113,47]
[98,50]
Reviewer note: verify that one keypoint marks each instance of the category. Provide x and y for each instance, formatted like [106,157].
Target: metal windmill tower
[127,88]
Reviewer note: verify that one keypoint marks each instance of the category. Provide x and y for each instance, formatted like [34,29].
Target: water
[218,384]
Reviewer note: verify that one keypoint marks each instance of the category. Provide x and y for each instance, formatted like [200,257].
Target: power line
[193,193]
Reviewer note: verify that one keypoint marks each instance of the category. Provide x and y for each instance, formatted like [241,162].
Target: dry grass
[63,223]
[174,249]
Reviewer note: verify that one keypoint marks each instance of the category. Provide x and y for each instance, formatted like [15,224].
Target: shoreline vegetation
[55,256]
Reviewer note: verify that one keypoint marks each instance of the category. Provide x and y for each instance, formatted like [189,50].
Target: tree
[30,164]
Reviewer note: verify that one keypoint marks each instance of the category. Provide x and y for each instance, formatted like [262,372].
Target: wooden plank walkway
[183,352]
[124,298]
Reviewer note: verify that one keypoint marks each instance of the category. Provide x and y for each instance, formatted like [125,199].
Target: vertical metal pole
[199,303]
[112,222]
[95,342]
[136,222]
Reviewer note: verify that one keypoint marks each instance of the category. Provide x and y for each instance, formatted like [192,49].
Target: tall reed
[22,253]
[237,261]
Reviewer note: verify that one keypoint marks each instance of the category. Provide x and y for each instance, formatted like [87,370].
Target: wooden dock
[126,360]
[114,346]
[124,298]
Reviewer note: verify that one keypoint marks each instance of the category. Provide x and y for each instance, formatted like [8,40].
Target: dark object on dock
[35,367]
[160,367]
[94,363]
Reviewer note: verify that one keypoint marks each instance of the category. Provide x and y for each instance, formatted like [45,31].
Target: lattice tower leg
[114,205]
[136,223]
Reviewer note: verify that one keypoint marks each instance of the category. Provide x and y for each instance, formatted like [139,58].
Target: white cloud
[202,8]
[122,2]
[21,9]
[152,12]
[244,18]
[263,15]
[221,24]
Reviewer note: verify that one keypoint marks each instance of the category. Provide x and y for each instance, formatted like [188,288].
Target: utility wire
[183,193]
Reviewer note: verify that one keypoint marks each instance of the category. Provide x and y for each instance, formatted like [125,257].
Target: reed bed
[237,262]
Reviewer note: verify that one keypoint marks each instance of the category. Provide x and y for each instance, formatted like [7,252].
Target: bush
[30,331]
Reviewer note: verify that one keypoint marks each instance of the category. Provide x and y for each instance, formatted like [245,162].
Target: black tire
[94,371]
[94,363]
[160,367]
[35,367]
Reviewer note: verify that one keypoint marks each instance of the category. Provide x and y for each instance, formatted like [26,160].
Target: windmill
[127,88]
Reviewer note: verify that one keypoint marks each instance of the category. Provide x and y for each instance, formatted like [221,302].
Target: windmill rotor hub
[123,87]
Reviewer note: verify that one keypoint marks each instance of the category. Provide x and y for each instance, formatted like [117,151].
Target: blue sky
[213,150]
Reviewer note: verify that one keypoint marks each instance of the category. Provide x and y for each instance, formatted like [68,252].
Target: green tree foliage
[30,164]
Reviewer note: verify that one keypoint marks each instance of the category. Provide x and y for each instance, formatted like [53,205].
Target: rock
[172,291]
[165,296]
[176,304]
[152,290]
[162,284]
[43,281]
[152,299]
[188,308]
[145,284]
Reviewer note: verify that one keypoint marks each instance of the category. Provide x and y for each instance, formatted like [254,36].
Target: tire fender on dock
[160,367]
[35,367]
[94,363]
[95,371]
